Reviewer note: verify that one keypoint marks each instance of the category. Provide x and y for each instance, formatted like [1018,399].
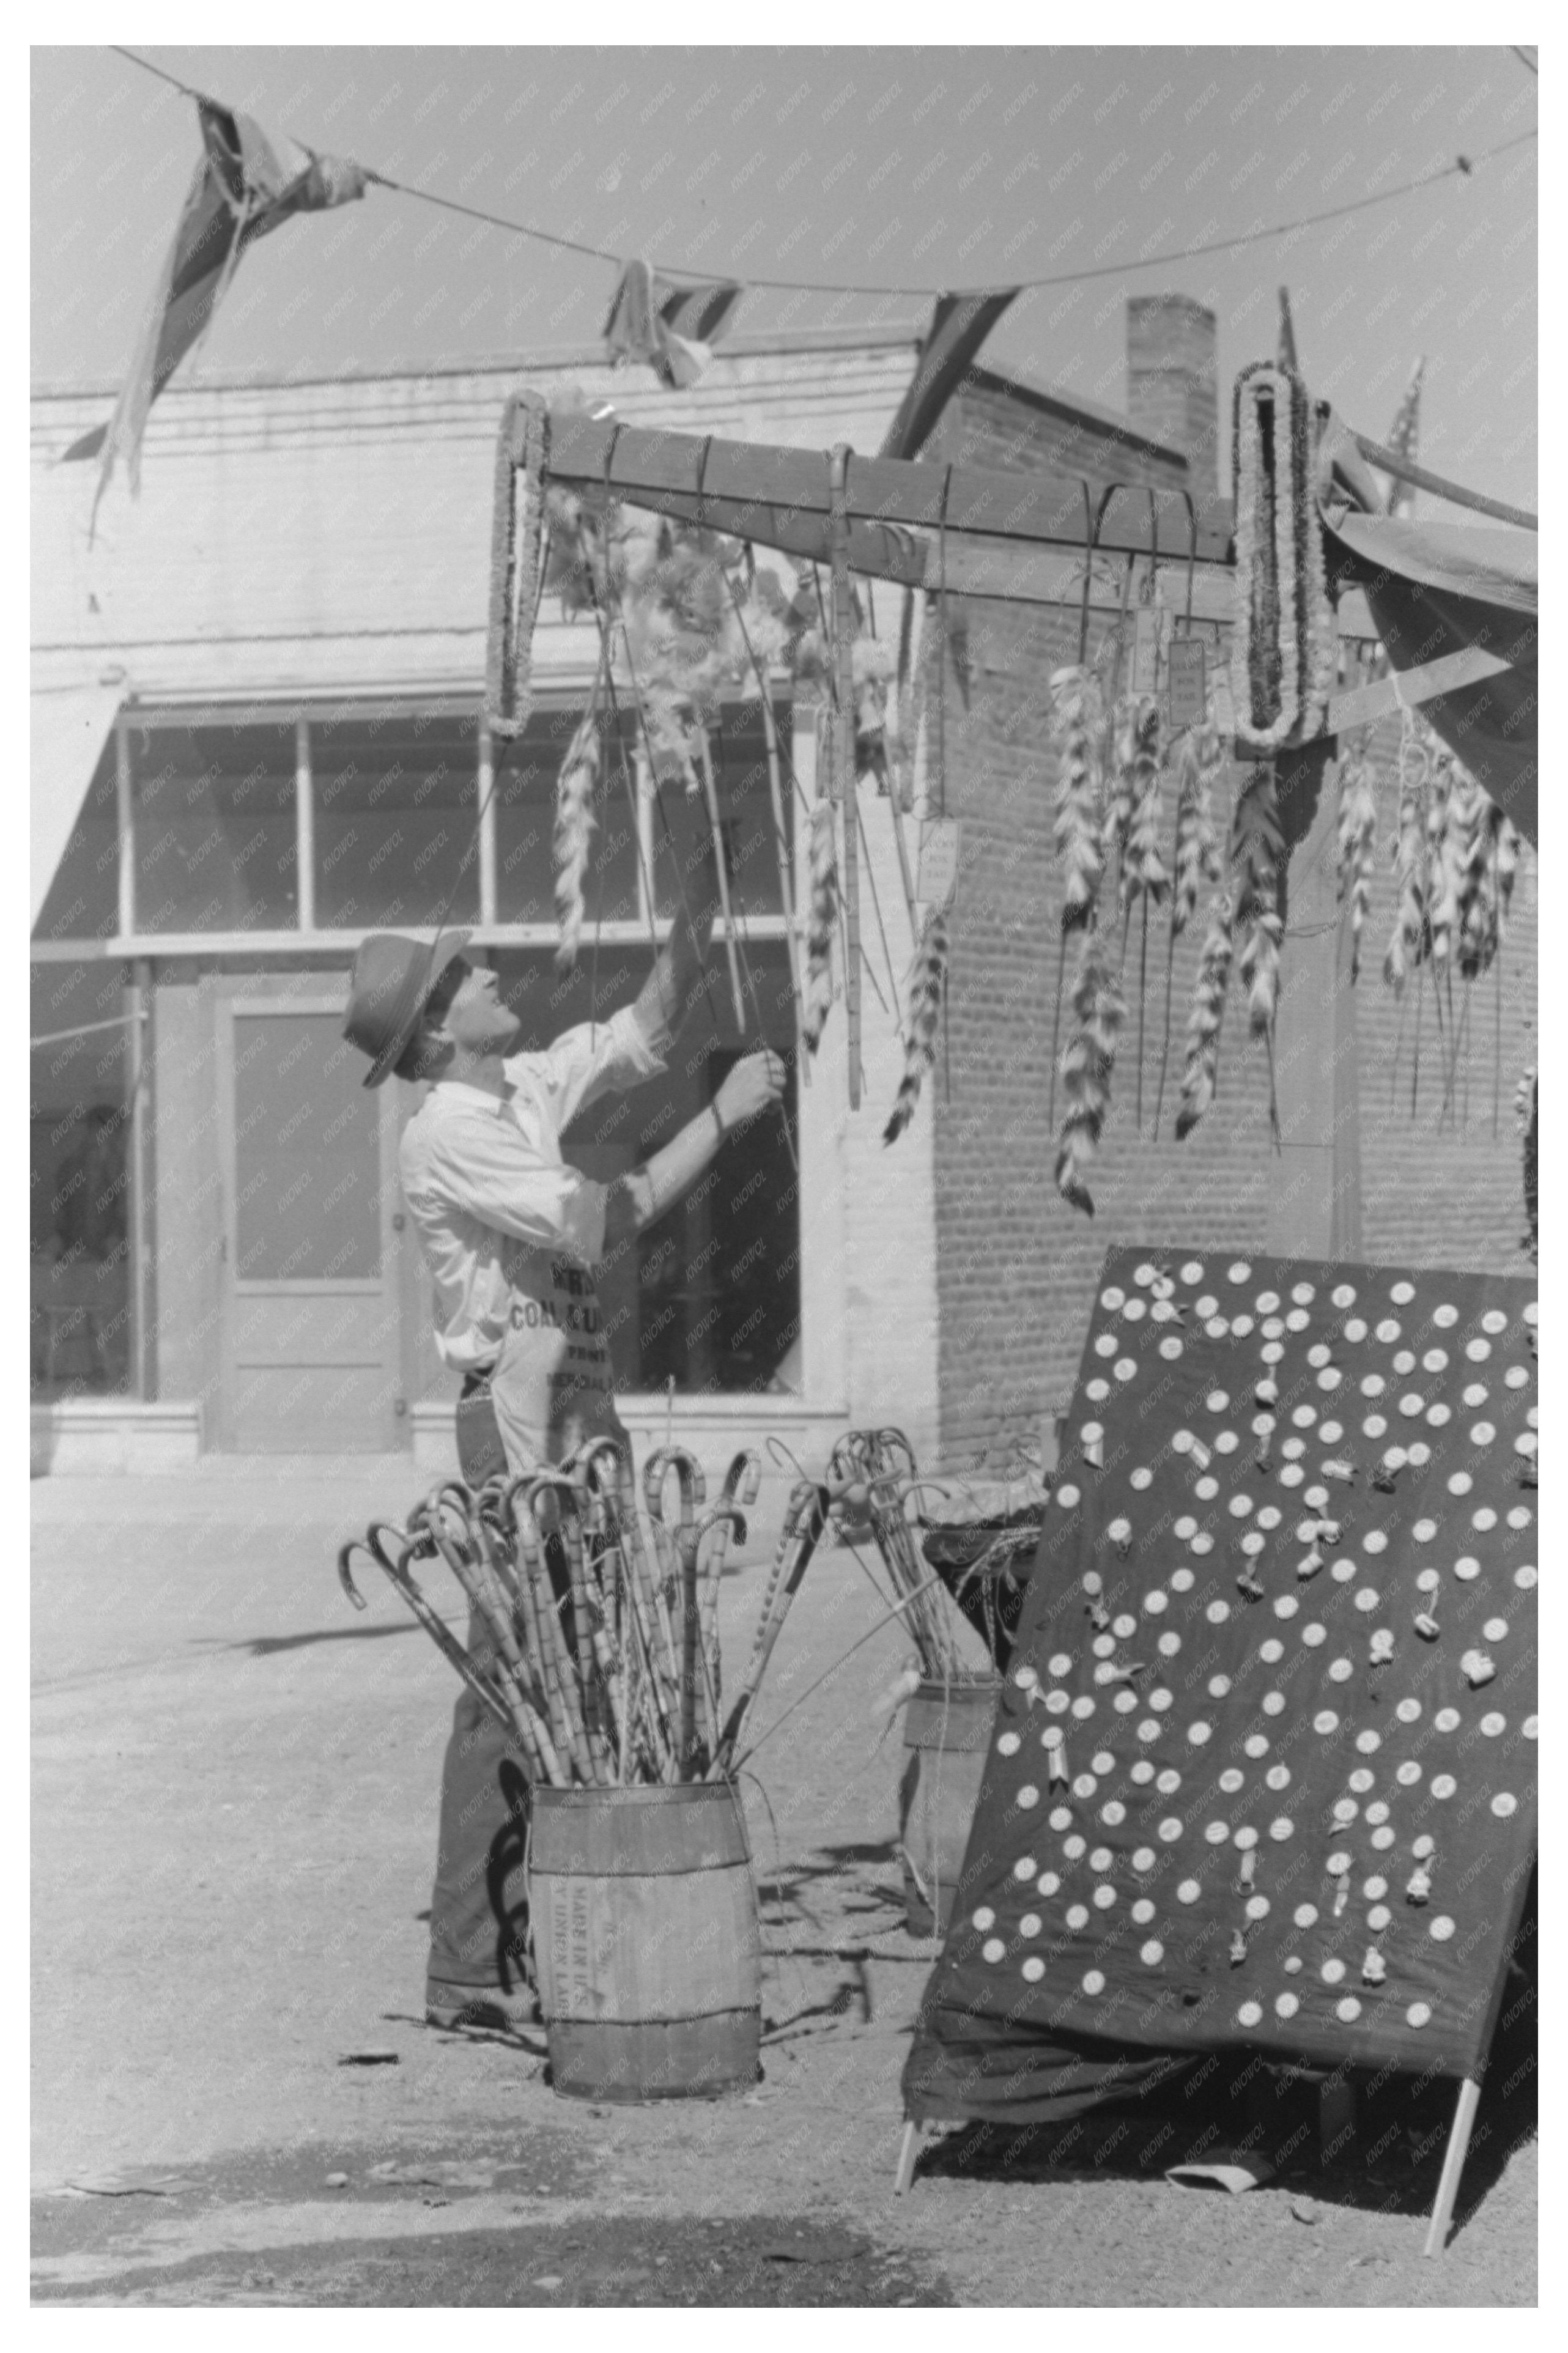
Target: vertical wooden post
[1315,1208]
[126,812]
[786,886]
[138,1205]
[908,2149]
[843,778]
[305,826]
[486,778]
[1453,2165]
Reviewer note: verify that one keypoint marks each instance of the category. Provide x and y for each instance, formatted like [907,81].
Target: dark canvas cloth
[1248,1795]
[1434,588]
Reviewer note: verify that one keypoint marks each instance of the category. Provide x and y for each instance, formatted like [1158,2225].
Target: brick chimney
[1172,382]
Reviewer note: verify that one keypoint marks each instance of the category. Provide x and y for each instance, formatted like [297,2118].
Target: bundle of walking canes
[602,1666]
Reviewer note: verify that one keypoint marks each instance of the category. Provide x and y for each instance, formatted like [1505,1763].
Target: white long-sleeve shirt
[511,1233]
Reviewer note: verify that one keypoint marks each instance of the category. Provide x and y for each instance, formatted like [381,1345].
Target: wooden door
[312,1359]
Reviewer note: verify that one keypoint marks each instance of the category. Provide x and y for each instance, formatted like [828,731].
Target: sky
[907,168]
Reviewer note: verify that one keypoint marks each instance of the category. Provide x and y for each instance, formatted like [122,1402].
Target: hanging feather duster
[1200,1077]
[922,1021]
[1199,756]
[1098,1011]
[1134,720]
[1258,852]
[1442,867]
[1472,818]
[1356,841]
[1526,1104]
[1076,723]
[1408,942]
[1143,871]
[575,828]
[823,922]
[1507,846]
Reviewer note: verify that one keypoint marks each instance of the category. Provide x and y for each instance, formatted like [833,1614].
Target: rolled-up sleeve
[597,1058]
[486,1168]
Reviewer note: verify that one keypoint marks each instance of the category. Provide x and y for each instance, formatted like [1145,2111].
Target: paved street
[234,1800]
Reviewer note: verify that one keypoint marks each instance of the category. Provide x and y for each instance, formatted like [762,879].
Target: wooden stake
[786,884]
[841,772]
[1453,2165]
[908,2148]
[720,868]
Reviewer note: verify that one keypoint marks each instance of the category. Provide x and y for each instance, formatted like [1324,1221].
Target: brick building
[257,734]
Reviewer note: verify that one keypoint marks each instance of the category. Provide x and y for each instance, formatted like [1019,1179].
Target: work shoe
[453,2007]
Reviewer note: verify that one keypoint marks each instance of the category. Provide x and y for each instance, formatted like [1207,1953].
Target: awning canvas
[69,728]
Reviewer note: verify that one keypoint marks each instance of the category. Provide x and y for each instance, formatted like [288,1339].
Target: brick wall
[1015,1265]
[993,424]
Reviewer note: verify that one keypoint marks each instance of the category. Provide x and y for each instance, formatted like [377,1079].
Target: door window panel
[307,1153]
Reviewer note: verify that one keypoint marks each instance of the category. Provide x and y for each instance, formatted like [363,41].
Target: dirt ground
[234,1804]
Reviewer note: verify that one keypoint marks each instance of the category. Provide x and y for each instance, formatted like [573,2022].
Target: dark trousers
[478,1908]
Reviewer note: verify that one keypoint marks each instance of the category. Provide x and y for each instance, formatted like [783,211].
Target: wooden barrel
[646,1942]
[947,1728]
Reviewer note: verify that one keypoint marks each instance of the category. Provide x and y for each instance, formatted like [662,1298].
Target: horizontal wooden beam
[1409,688]
[778,497]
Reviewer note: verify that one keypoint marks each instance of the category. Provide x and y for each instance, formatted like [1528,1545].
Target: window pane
[307,1153]
[214,828]
[712,1294]
[527,773]
[682,833]
[397,804]
[84,897]
[81,1304]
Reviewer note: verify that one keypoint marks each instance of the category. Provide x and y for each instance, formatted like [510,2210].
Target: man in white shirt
[511,1234]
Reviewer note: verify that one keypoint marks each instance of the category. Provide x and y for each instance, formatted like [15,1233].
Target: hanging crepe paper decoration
[515,525]
[248,183]
[923,1020]
[1283,650]
[575,828]
[822,922]
[673,328]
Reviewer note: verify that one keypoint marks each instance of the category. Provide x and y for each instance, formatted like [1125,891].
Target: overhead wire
[1461,167]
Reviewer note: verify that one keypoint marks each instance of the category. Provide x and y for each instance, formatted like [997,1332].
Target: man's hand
[751,1086]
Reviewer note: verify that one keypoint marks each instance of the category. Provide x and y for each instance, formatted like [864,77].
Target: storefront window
[80,1191]
[396,809]
[214,828]
[711,1296]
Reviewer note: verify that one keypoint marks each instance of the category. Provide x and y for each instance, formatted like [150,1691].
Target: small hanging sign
[937,878]
[1189,682]
[1146,650]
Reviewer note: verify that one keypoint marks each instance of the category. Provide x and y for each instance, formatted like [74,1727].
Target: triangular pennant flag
[673,328]
[960,325]
[246,183]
